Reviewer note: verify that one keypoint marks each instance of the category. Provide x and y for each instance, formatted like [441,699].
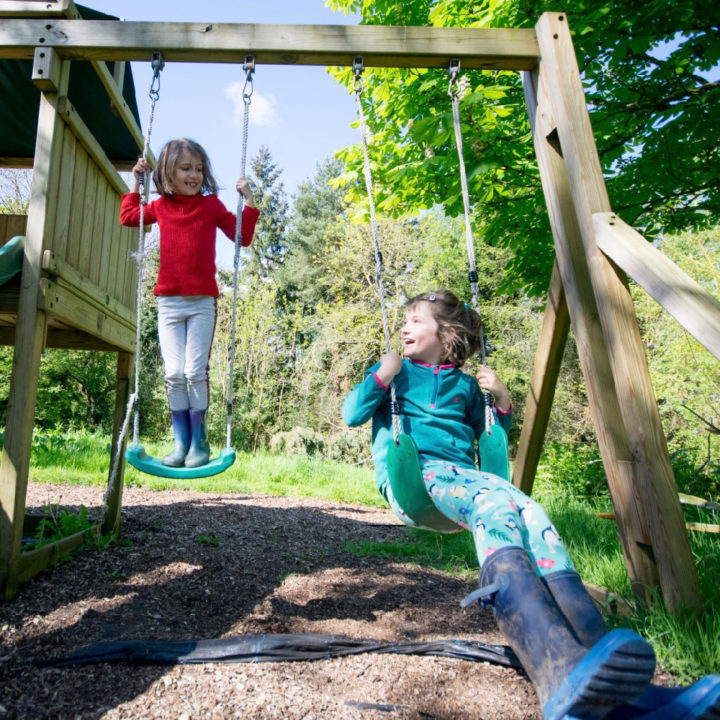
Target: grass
[686,645]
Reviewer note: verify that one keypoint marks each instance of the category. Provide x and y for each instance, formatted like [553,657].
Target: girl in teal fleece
[442,410]
[578,668]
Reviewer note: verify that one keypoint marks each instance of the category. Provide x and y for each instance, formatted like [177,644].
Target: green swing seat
[139,459]
[11,258]
[408,487]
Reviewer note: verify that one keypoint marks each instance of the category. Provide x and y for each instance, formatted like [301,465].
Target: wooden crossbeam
[330,45]
[687,301]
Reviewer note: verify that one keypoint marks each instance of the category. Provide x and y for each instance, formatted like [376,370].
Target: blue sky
[298,112]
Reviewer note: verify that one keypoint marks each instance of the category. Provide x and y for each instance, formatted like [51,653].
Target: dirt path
[275,565]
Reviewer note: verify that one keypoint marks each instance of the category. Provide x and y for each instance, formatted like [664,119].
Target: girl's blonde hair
[459,326]
[167,162]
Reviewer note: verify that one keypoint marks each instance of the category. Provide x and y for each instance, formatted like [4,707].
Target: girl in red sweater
[188,213]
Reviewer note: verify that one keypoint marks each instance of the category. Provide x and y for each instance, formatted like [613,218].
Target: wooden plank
[11,226]
[546,368]
[115,273]
[695,526]
[59,300]
[380,46]
[29,339]
[108,224]
[113,493]
[87,229]
[39,559]
[123,266]
[652,470]
[128,266]
[92,294]
[65,192]
[74,236]
[97,238]
[76,340]
[62,338]
[46,70]
[687,301]
[91,145]
[118,101]
[606,599]
[686,499]
[17,163]
[43,8]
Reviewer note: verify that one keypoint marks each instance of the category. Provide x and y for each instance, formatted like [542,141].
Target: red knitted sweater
[187,238]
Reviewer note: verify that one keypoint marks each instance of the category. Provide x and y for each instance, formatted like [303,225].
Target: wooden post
[634,452]
[546,368]
[29,337]
[588,335]
[113,493]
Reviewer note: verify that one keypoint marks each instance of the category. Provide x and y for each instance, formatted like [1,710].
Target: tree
[684,373]
[312,228]
[76,389]
[654,102]
[268,248]
[14,191]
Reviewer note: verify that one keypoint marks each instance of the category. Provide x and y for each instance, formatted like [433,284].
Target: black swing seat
[139,459]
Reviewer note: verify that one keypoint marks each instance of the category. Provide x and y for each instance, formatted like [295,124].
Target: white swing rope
[154,94]
[249,67]
[357,71]
[454,91]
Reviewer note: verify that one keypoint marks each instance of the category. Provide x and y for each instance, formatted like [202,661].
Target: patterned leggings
[495,512]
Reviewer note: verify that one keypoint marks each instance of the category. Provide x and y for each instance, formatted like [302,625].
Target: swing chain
[249,68]
[358,68]
[453,74]
[157,64]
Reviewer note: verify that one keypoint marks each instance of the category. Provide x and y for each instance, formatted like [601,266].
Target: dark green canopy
[20,101]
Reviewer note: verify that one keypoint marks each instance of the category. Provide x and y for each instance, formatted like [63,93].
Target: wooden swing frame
[594,249]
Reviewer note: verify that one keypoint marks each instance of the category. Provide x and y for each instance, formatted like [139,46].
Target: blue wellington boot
[199,453]
[700,701]
[181,431]
[572,681]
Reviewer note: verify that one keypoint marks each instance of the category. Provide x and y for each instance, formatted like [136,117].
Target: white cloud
[262,107]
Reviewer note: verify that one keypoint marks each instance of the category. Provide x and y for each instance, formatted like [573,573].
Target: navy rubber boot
[700,701]
[571,680]
[181,431]
[199,453]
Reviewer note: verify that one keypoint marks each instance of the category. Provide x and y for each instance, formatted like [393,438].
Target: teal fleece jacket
[441,409]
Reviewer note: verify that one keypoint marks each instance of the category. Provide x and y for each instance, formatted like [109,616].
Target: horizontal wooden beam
[687,301]
[43,8]
[330,45]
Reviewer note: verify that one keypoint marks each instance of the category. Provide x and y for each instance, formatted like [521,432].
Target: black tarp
[273,648]
[20,101]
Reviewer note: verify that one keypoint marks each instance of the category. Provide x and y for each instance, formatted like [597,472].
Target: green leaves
[650,70]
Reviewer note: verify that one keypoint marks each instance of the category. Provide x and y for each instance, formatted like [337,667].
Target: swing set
[403,462]
[77,287]
[135,454]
